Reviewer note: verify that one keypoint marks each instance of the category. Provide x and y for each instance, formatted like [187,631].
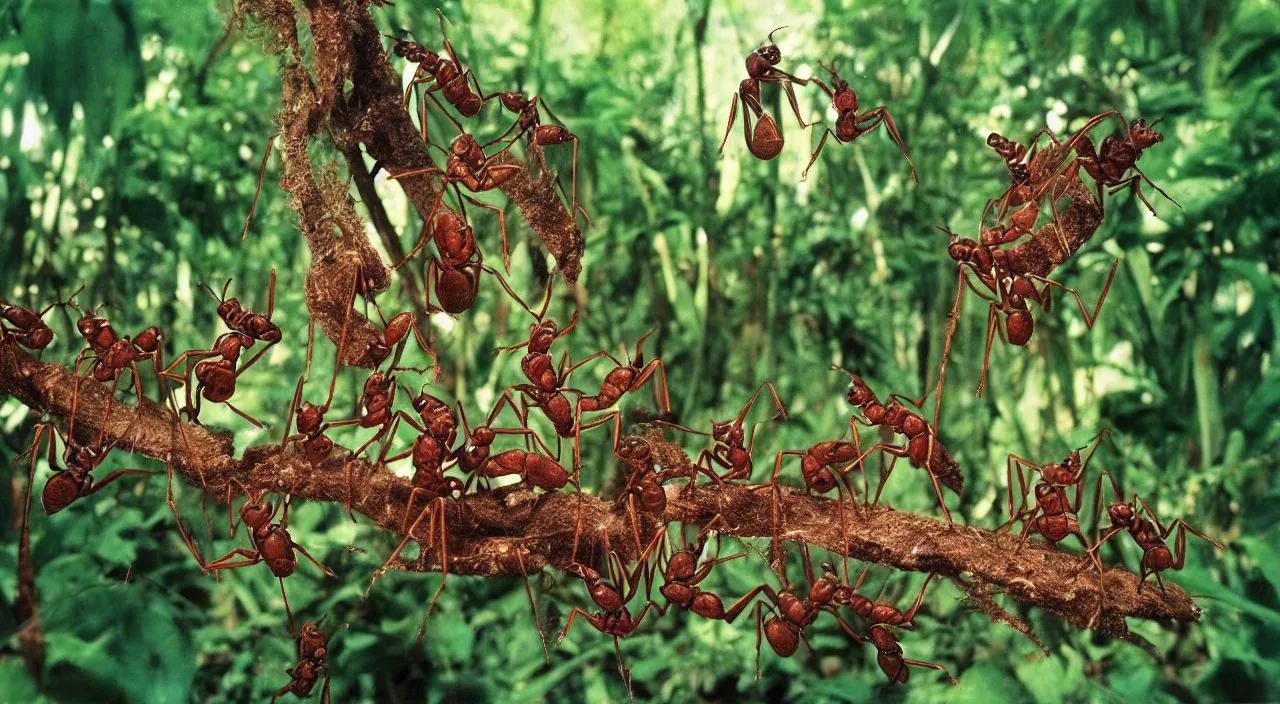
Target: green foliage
[131,138]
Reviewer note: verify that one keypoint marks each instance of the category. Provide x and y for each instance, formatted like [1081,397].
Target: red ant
[790,614]
[1003,274]
[872,612]
[112,354]
[271,544]
[239,319]
[681,576]
[429,481]
[922,448]
[611,597]
[622,379]
[850,125]
[1054,516]
[75,481]
[889,656]
[816,465]
[216,378]
[467,164]
[1150,535]
[474,456]
[313,653]
[529,121]
[1117,155]
[764,142]
[455,273]
[26,327]
[450,77]
[731,447]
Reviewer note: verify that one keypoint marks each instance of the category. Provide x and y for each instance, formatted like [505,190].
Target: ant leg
[733,114]
[1089,320]
[502,226]
[386,566]
[821,143]
[1015,460]
[98,486]
[287,611]
[931,666]
[444,564]
[426,231]
[262,174]
[533,604]
[328,572]
[253,557]
[254,421]
[993,324]
[887,119]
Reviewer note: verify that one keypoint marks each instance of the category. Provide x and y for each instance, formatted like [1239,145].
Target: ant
[816,465]
[850,125]
[731,449]
[1008,275]
[873,612]
[1118,154]
[529,121]
[112,354]
[216,378]
[922,448]
[889,656]
[764,142]
[681,576]
[474,456]
[27,327]
[313,653]
[450,77]
[257,326]
[611,597]
[271,544]
[75,481]
[1150,535]
[455,273]
[789,614]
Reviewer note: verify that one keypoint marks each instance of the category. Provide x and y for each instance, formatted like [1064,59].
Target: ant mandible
[850,125]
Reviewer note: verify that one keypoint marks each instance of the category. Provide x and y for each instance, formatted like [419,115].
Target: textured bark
[486,531]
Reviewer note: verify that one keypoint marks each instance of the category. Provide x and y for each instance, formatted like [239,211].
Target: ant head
[1121,514]
[837,83]
[464,147]
[514,102]
[770,52]
[483,435]
[256,512]
[311,631]
[583,572]
[858,394]
[1144,135]
[634,449]
[541,335]
[377,383]
[89,320]
[722,431]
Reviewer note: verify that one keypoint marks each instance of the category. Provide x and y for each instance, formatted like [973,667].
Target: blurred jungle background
[131,134]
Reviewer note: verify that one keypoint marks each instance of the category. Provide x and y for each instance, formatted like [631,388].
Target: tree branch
[487,530]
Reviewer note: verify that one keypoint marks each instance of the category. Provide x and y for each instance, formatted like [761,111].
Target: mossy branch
[487,531]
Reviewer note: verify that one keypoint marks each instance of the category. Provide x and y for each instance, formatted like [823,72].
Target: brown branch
[486,530]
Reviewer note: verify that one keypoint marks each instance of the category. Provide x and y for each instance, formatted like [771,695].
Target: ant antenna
[774,31]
